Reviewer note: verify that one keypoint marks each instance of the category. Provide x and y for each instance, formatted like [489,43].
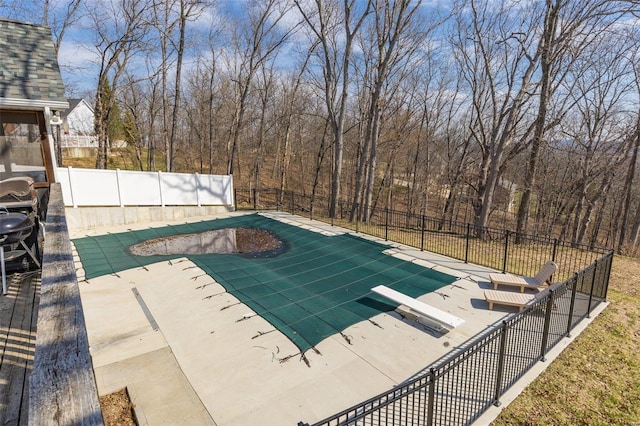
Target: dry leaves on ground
[117,409]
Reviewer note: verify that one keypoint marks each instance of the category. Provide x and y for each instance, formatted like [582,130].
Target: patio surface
[160,330]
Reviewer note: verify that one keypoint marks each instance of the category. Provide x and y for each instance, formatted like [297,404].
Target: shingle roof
[73,103]
[29,68]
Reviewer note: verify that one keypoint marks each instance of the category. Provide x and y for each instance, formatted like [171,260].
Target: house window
[21,151]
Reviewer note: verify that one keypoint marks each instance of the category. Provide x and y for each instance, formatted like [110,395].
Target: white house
[78,126]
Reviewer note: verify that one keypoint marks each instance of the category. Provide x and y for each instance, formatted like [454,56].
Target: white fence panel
[179,189]
[140,188]
[77,141]
[213,187]
[90,187]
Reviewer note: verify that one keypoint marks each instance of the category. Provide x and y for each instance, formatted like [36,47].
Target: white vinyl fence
[79,141]
[91,187]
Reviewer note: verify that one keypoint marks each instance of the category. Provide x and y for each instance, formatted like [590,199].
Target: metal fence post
[422,235]
[386,224]
[293,203]
[555,249]
[574,290]
[608,274]
[466,250]
[547,321]
[506,252]
[501,355]
[431,397]
[235,199]
[593,284]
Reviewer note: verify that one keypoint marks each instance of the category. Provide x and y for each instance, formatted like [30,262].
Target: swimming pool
[317,287]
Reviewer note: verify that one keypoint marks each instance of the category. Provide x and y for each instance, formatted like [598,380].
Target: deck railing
[458,389]
[62,385]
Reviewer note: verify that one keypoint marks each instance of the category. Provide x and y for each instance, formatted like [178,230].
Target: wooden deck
[18,318]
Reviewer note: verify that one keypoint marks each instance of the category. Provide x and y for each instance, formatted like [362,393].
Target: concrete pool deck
[162,332]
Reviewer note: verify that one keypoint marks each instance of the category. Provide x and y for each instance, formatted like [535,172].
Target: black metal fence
[458,389]
[461,388]
[504,250]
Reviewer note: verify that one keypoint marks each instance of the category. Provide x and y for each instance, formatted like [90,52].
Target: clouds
[78,66]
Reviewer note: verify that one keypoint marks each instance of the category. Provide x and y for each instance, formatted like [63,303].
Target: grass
[120,158]
[596,380]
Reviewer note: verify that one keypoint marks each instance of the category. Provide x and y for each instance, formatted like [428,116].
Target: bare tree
[135,109]
[374,108]
[567,28]
[599,126]
[391,45]
[59,16]
[495,62]
[324,20]
[253,46]
[290,89]
[118,34]
[188,9]
[212,70]
[625,208]
[170,20]
[153,115]
[165,24]
[266,87]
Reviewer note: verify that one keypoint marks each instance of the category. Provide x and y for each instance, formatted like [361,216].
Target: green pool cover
[318,287]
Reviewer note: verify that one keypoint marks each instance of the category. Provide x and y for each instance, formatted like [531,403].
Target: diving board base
[430,316]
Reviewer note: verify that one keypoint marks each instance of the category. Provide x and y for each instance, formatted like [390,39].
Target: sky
[78,59]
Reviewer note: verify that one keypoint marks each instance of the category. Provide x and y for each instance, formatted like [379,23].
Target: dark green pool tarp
[318,287]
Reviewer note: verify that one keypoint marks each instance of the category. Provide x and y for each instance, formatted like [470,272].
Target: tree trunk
[373,163]
[628,184]
[100,128]
[318,166]
[548,36]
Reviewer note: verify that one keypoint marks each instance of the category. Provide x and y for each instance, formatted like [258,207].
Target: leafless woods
[510,113]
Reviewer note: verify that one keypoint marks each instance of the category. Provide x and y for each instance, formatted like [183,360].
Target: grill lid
[14,227]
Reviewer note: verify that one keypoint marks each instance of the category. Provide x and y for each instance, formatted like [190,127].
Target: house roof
[73,104]
[29,73]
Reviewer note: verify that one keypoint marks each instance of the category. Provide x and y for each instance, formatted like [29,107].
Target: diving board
[441,319]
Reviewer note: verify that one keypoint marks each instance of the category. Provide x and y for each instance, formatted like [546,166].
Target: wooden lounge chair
[434,317]
[542,278]
[520,300]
